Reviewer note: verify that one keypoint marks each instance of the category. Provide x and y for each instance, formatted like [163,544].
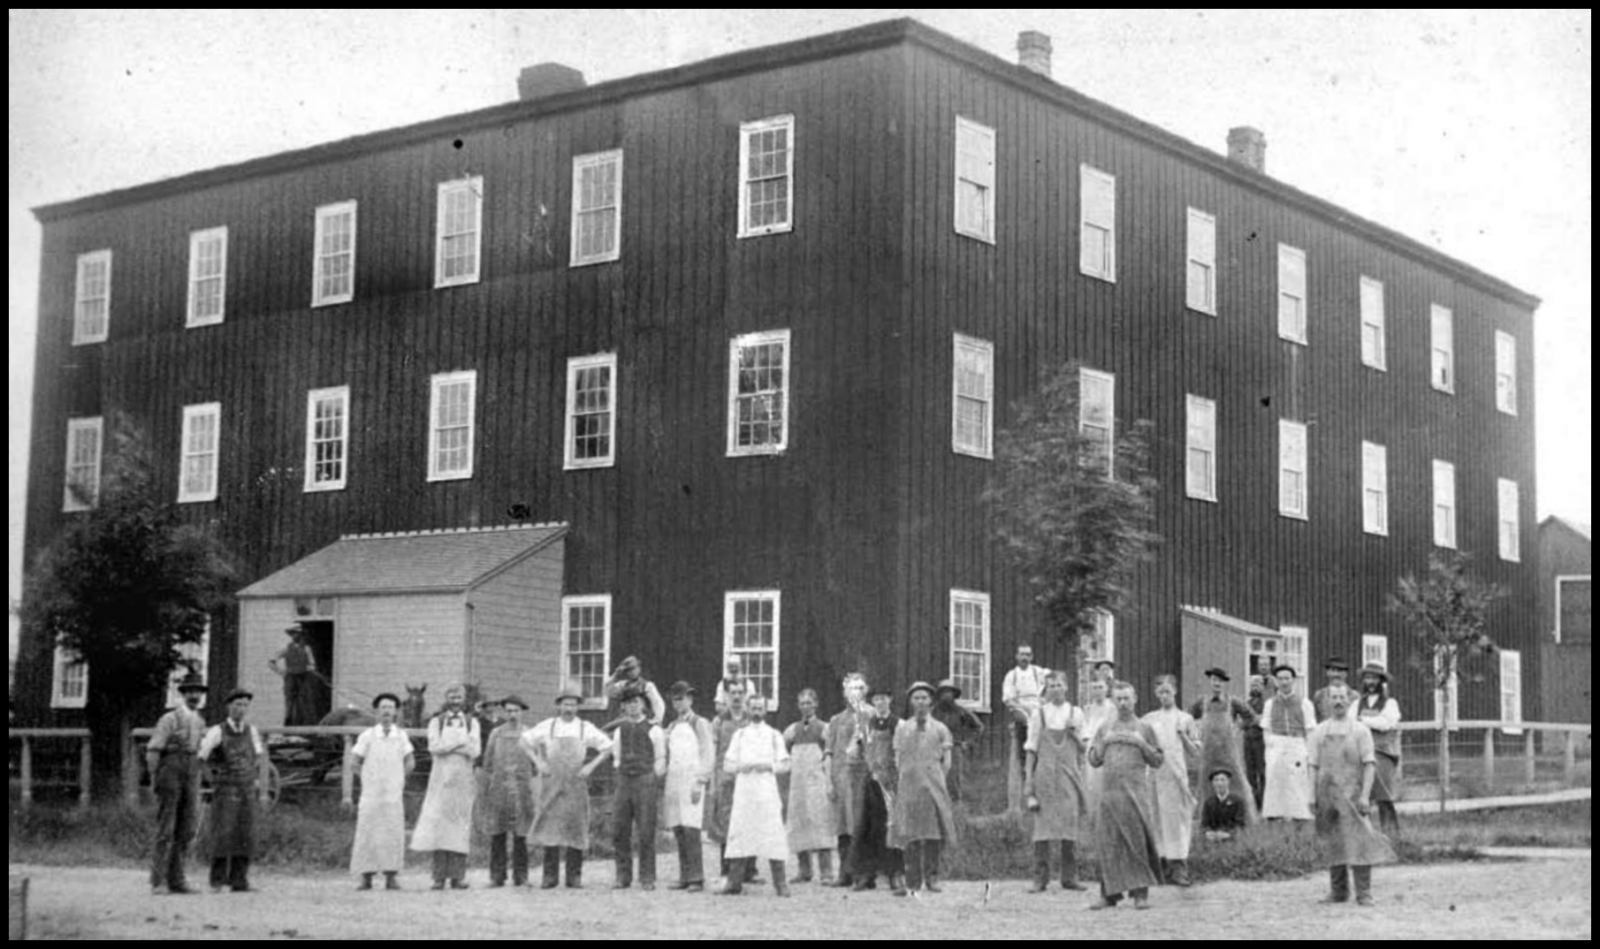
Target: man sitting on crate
[235,752]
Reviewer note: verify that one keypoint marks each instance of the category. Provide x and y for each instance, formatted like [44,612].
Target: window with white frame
[69,680]
[1202,267]
[333,270]
[1292,293]
[596,207]
[327,438]
[591,411]
[1444,504]
[1574,613]
[586,645]
[758,393]
[751,623]
[1505,372]
[1297,648]
[1375,650]
[91,311]
[208,275]
[197,479]
[969,646]
[460,232]
[1099,641]
[766,176]
[1442,333]
[1446,701]
[1201,464]
[1373,351]
[975,151]
[1292,470]
[452,411]
[1097,224]
[85,445]
[1374,489]
[1510,521]
[192,657]
[1511,689]
[1097,413]
[972,398]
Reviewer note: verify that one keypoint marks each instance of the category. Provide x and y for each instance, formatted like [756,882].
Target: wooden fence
[29,740]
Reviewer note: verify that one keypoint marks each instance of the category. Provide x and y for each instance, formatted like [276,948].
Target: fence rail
[29,738]
[1479,758]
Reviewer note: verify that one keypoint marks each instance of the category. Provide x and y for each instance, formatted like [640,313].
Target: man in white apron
[810,820]
[756,756]
[559,746]
[1287,719]
[383,757]
[1179,741]
[445,825]
[690,747]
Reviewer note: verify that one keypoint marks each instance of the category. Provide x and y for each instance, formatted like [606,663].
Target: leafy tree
[123,586]
[1075,534]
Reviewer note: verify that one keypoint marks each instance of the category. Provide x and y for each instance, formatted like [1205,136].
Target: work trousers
[691,857]
[177,808]
[519,859]
[552,866]
[922,862]
[635,808]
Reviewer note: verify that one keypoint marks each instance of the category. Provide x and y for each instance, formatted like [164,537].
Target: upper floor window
[1291,293]
[460,232]
[975,146]
[1292,473]
[591,411]
[333,277]
[452,410]
[1505,372]
[758,393]
[1444,504]
[327,438]
[766,176]
[597,207]
[1373,351]
[1097,414]
[1097,227]
[197,480]
[1201,465]
[84,448]
[972,421]
[91,313]
[1374,488]
[1202,252]
[1510,521]
[1443,333]
[208,275]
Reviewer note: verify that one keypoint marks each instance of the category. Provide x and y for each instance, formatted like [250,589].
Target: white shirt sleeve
[209,743]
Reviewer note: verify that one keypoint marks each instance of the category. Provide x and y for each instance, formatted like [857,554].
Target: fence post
[1569,760]
[85,770]
[347,776]
[1532,758]
[1444,769]
[1488,759]
[130,772]
[27,772]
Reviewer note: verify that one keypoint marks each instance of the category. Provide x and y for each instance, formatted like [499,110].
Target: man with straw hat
[923,820]
[1377,710]
[507,803]
[559,747]
[965,728]
[171,757]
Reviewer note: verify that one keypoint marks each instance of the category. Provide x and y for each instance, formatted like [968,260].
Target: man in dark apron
[235,753]
[1223,722]
[1343,763]
[923,819]
[170,756]
[559,746]
[1054,790]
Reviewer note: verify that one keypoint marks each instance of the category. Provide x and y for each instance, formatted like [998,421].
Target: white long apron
[380,845]
[1288,791]
[684,772]
[755,828]
[446,819]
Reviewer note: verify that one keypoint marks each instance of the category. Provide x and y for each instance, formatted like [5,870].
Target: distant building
[1565,620]
[742,332]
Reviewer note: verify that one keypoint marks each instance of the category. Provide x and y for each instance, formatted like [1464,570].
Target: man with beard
[756,756]
[1124,750]
[445,825]
[810,815]
[1342,763]
[507,802]
[1381,714]
[1288,718]
[923,818]
[559,746]
[1224,723]
[1054,791]
[690,746]
[235,753]
[847,772]
[871,851]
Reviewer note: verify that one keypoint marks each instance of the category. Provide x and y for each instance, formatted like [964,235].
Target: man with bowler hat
[171,758]
[690,747]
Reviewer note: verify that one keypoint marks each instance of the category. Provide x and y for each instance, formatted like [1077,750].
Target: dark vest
[234,762]
[296,659]
[636,753]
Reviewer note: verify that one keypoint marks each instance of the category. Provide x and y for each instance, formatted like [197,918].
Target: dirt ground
[1497,900]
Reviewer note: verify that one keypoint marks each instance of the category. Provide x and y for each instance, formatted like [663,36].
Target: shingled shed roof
[445,561]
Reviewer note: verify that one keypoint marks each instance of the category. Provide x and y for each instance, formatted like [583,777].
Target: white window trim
[1514,554]
[776,596]
[574,366]
[1287,250]
[324,213]
[1087,172]
[1451,691]
[579,163]
[1511,657]
[981,701]
[196,238]
[1380,529]
[1559,579]
[80,338]
[1300,659]
[735,450]
[1191,403]
[1111,413]
[986,349]
[96,424]
[59,664]
[969,127]
[567,603]
[341,393]
[190,413]
[439,381]
[1449,347]
[1196,215]
[1304,512]
[1368,642]
[746,130]
[1381,357]
[189,652]
[1501,336]
[474,184]
[1108,621]
[1451,542]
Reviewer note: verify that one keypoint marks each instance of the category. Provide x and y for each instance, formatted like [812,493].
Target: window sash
[92,303]
[1509,520]
[1374,651]
[1374,488]
[208,276]
[972,395]
[85,448]
[1292,293]
[970,642]
[1201,278]
[591,411]
[1505,372]
[1097,418]
[1293,487]
[596,208]
[460,232]
[752,631]
[1297,648]
[334,259]
[1097,237]
[586,645]
[1200,475]
[1442,333]
[452,416]
[327,438]
[1511,688]
[69,680]
[201,441]
[975,180]
[1373,351]
[766,176]
[1444,504]
[758,394]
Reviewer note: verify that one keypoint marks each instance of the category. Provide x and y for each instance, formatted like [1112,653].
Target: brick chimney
[547,79]
[1248,147]
[1033,52]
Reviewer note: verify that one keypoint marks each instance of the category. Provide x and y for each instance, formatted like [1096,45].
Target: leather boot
[366,881]
[780,877]
[897,884]
[1363,877]
[825,866]
[804,876]
[846,877]
[1041,866]
[1165,873]
[1180,873]
[1069,866]
[930,866]
[1339,885]
[735,879]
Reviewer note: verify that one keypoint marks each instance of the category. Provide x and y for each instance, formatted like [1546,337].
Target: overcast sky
[1467,130]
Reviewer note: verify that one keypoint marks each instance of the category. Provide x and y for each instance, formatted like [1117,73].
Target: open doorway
[319,636]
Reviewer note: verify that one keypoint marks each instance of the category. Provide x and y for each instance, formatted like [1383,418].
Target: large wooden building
[739,334]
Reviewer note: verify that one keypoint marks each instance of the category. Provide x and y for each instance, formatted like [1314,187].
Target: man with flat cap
[507,801]
[1224,722]
[1223,813]
[174,771]
[923,819]
[690,747]
[383,756]
[237,757]
[1289,719]
[639,749]
[559,747]
[1337,672]
[965,728]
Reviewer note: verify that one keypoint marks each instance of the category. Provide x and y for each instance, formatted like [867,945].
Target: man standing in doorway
[235,753]
[1022,691]
[298,667]
[170,756]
